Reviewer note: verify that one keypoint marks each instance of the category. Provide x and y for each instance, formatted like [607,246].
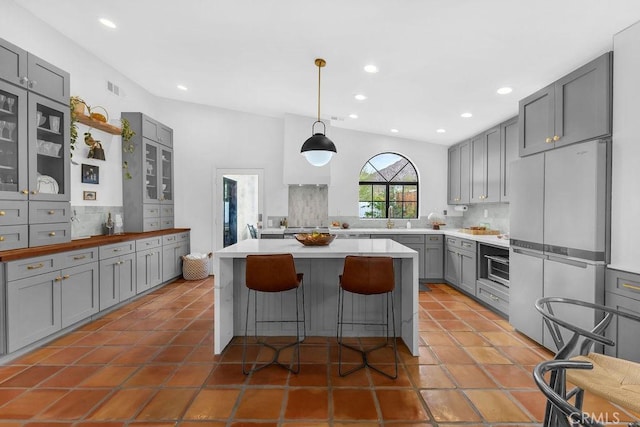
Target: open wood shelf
[105,127]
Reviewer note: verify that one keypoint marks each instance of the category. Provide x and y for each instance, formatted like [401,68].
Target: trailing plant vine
[128,146]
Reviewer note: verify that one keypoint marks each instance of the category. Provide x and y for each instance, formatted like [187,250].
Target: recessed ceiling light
[353,116]
[107,23]
[182,87]
[441,130]
[394,130]
[360,97]
[371,68]
[466,115]
[504,90]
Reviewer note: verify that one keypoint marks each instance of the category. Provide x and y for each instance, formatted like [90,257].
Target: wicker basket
[196,269]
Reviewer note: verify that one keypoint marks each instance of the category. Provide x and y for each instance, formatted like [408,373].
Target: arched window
[388,188]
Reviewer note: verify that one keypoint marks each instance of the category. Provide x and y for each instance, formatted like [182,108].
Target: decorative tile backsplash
[89,220]
[308,205]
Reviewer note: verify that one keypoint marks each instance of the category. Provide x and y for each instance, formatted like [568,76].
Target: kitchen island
[321,266]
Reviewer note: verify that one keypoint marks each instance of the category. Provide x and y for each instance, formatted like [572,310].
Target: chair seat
[616,380]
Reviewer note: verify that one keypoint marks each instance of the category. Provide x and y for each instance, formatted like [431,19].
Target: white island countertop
[487,239]
[339,248]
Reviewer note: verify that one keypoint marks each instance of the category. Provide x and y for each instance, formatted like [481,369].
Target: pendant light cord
[319,69]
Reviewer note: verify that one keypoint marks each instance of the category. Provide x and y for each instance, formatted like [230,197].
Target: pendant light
[318,149]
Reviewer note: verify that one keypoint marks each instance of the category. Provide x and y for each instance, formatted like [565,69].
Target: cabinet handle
[117,249]
[556,138]
[23,80]
[58,279]
[433,238]
[32,83]
[628,286]
[548,140]
[1,238]
[77,258]
[35,266]
[52,234]
[2,213]
[51,212]
[25,191]
[34,192]
[493,297]
[65,277]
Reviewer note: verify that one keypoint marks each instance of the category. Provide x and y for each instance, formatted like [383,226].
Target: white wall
[625,198]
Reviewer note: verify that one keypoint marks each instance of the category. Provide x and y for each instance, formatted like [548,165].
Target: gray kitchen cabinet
[80,294]
[24,69]
[14,237]
[33,309]
[413,241]
[174,247]
[434,257]
[117,279]
[623,293]
[148,269]
[575,108]
[460,264]
[459,173]
[485,167]
[148,196]
[508,153]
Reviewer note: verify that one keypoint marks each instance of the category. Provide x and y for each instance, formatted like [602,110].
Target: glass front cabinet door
[14,183]
[166,196]
[48,150]
[151,173]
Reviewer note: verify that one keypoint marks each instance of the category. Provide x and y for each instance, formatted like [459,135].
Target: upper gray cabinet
[575,108]
[21,68]
[508,153]
[459,164]
[485,167]
[156,131]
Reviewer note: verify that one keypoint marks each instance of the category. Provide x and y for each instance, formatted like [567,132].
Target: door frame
[217,199]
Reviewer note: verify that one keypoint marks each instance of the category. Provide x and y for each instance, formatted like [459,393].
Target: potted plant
[77,107]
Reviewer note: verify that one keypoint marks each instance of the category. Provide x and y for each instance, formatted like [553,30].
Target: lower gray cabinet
[623,293]
[460,264]
[173,249]
[33,309]
[413,241]
[117,279]
[79,293]
[433,257]
[148,269]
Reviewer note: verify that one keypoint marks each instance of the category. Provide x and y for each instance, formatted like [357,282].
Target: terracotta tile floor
[150,363]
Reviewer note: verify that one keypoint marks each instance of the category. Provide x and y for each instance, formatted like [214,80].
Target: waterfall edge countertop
[488,239]
[321,266]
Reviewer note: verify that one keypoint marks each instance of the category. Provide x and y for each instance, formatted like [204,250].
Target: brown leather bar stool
[367,276]
[273,273]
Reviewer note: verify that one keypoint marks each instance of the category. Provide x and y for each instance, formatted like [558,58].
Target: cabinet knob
[25,191]
[1,238]
[65,277]
[34,192]
[32,83]
[548,140]
[53,233]
[58,279]
[23,80]
[2,213]
[51,212]
[556,138]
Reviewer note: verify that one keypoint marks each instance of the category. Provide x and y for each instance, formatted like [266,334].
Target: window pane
[366,193]
[378,210]
[380,193]
[410,193]
[369,174]
[396,210]
[364,209]
[410,210]
[407,174]
[395,193]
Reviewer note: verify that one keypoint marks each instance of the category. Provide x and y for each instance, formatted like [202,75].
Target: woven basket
[196,269]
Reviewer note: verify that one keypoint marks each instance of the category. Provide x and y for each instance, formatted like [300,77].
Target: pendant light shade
[318,149]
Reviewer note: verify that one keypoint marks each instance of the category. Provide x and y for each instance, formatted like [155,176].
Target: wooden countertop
[101,240]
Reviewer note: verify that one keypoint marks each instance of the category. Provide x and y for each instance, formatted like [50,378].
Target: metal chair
[616,380]
[367,276]
[273,273]
[252,231]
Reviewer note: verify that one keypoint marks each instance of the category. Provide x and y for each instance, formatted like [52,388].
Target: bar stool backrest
[368,275]
[271,273]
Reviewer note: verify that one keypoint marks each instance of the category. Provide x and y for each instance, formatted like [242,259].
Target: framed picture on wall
[90,174]
[89,195]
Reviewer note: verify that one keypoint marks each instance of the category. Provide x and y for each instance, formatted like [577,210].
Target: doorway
[239,203]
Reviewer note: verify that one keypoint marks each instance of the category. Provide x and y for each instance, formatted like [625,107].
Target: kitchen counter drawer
[13,213]
[117,249]
[166,223]
[151,211]
[409,238]
[434,239]
[33,266]
[49,212]
[166,211]
[14,237]
[49,234]
[150,243]
[623,283]
[79,257]
[151,224]
[495,295]
[456,242]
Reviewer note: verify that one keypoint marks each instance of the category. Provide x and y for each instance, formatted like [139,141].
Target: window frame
[388,184]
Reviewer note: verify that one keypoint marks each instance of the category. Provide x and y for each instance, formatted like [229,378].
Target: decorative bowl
[315,239]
